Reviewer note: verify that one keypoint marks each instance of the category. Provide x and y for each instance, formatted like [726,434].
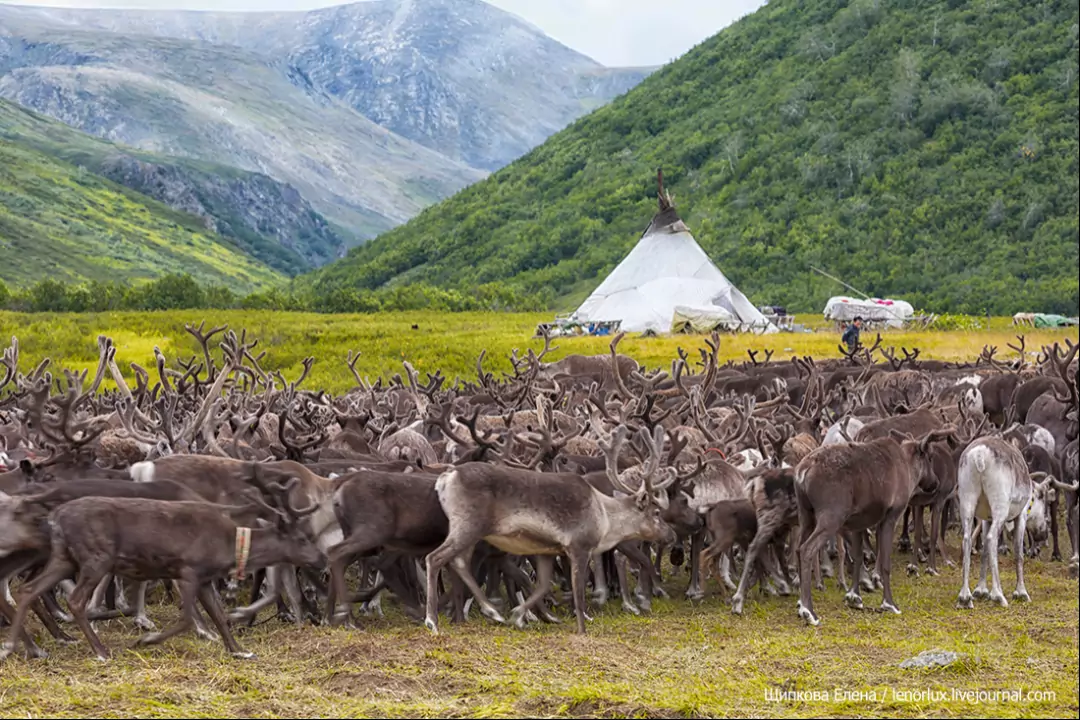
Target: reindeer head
[643,487]
[1043,495]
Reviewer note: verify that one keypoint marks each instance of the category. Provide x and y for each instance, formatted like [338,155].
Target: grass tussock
[682,661]
[439,341]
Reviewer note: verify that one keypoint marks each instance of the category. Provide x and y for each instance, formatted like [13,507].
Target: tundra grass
[683,660]
[430,341]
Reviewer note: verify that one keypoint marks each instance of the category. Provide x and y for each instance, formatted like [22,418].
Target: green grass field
[441,341]
[682,661]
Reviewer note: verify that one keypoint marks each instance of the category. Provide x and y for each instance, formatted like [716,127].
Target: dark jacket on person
[851,337]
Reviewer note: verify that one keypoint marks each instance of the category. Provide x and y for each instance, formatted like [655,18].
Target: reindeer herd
[554,485]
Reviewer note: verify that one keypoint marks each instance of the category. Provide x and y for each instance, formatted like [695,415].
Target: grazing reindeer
[994,485]
[547,514]
[851,489]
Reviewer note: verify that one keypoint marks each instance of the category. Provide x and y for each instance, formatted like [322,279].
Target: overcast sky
[613,32]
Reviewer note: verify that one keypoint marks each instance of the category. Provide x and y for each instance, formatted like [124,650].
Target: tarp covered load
[665,270]
[1053,321]
[702,321]
[893,313]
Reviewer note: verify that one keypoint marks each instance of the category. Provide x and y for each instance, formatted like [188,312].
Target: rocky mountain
[61,222]
[268,219]
[372,110]
[921,149]
[230,106]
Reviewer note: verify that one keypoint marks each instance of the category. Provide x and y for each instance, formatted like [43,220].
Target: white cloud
[614,32]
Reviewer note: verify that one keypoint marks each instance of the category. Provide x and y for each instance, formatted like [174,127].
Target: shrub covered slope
[917,148]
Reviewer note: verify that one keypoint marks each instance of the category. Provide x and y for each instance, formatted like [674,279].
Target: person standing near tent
[851,335]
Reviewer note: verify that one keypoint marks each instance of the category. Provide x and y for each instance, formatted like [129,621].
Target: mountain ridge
[925,149]
[472,82]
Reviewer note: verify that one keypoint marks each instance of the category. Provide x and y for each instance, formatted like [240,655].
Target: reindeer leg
[904,545]
[852,598]
[695,592]
[247,614]
[726,563]
[885,537]
[8,611]
[967,521]
[981,590]
[815,536]
[579,572]
[208,597]
[1021,593]
[188,591]
[544,571]
[1056,556]
[624,586]
[600,586]
[993,537]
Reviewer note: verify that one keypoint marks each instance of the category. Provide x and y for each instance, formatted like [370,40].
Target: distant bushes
[183,292]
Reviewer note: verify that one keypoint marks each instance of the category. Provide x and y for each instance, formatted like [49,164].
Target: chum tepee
[668,272]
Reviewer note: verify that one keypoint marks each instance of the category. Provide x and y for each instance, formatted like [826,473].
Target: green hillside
[265,218]
[60,222]
[916,148]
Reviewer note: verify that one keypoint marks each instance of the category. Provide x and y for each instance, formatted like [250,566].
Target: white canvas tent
[665,270]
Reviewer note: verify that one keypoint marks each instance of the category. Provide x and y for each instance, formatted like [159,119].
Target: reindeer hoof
[1021,596]
[659,592]
[932,572]
[965,602]
[430,625]
[981,594]
[808,616]
[904,545]
[494,616]
[999,600]
[1074,571]
[737,606]
[5,651]
[144,623]
[518,619]
[600,598]
[631,608]
[102,658]
[867,585]
[243,655]
[912,570]
[695,595]
[853,601]
[889,608]
[149,639]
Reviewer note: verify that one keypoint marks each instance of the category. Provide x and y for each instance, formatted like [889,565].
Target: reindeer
[995,486]
[153,539]
[852,488]
[542,514]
